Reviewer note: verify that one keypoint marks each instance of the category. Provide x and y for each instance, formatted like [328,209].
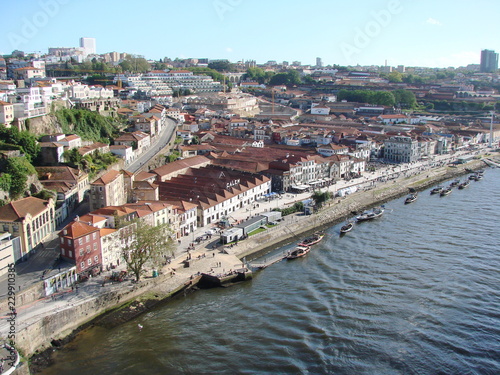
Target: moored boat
[464,184]
[437,190]
[370,215]
[298,252]
[347,227]
[411,198]
[455,183]
[445,192]
[312,240]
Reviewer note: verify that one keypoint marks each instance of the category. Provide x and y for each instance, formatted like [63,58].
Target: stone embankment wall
[39,333]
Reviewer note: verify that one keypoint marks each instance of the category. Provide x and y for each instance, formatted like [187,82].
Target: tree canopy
[221,66]
[135,64]
[89,125]
[366,96]
[146,245]
[26,141]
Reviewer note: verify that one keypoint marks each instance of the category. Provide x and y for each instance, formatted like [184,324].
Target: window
[70,253]
[80,241]
[82,265]
[87,238]
[94,235]
[88,249]
[96,259]
[95,246]
[89,262]
[81,252]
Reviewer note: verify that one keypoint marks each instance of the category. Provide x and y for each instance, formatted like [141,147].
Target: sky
[428,33]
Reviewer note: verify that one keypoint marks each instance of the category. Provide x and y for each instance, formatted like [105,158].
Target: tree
[321,197]
[395,77]
[405,98]
[135,64]
[146,245]
[19,168]
[221,65]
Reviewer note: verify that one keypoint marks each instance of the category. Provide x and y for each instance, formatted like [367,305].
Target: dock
[262,263]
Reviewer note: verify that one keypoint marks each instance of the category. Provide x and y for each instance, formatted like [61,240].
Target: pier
[266,262]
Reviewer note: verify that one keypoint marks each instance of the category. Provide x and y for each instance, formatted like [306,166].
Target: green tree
[19,168]
[395,77]
[135,64]
[146,245]
[405,98]
[382,98]
[320,197]
[221,66]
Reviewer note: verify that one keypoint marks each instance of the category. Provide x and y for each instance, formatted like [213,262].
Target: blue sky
[430,33]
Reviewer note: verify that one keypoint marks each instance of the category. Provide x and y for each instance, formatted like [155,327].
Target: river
[416,291]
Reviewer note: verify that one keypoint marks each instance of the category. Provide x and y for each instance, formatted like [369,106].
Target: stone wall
[38,334]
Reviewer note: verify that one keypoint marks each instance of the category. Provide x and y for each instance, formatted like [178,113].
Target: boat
[464,184]
[437,190]
[370,215]
[347,227]
[445,192]
[411,198]
[312,240]
[455,183]
[298,252]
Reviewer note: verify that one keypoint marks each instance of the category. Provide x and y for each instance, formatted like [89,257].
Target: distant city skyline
[424,33]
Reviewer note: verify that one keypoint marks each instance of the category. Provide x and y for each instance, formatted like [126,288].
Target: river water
[415,292]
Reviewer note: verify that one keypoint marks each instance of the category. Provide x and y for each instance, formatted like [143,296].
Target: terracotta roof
[107,178]
[77,229]
[106,231]
[92,219]
[141,176]
[392,116]
[181,164]
[17,210]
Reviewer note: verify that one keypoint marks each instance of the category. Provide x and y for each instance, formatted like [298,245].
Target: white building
[88,45]
[401,149]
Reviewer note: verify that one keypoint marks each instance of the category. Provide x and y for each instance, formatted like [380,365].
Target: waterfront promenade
[221,260]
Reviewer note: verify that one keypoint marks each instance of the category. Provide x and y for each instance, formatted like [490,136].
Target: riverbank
[112,309]
[341,208]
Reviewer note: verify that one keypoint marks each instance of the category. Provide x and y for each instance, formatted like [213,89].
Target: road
[157,144]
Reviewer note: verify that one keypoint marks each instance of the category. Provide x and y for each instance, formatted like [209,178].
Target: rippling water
[415,292]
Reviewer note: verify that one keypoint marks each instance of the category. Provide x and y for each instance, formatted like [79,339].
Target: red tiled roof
[77,229]
[17,210]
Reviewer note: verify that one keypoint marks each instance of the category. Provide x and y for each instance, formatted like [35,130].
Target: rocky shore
[157,291]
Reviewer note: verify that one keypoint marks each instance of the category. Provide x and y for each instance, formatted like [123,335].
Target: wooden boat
[312,240]
[445,192]
[411,198]
[455,183]
[298,252]
[347,227]
[464,184]
[437,190]
[370,215]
